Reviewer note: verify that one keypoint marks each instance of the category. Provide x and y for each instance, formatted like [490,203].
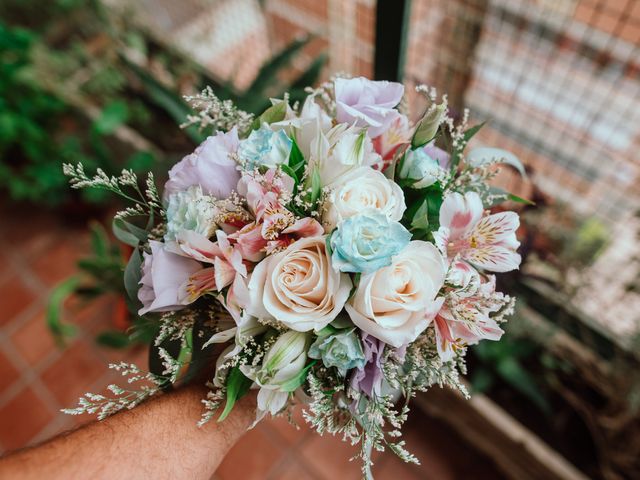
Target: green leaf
[483,155]
[128,233]
[168,100]
[275,113]
[113,339]
[292,384]
[237,386]
[421,218]
[514,374]
[510,196]
[314,182]
[132,276]
[296,159]
[482,379]
[289,171]
[99,240]
[268,74]
[60,293]
[427,128]
[112,116]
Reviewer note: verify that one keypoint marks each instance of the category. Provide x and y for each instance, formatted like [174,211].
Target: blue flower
[423,166]
[264,147]
[366,242]
[341,350]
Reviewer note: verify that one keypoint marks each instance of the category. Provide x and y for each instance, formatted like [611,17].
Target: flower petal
[460,213]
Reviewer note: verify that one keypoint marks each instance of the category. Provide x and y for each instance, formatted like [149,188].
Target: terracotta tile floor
[37,378]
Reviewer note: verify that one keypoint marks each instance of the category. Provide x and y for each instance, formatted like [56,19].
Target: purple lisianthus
[209,166]
[164,275]
[368,379]
[368,103]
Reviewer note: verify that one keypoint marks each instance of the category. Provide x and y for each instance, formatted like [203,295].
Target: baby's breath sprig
[125,185]
[104,406]
[216,113]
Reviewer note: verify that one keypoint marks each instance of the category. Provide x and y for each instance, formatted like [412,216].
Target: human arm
[158,439]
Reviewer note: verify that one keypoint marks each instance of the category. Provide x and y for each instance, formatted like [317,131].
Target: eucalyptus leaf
[483,155]
[128,233]
[132,276]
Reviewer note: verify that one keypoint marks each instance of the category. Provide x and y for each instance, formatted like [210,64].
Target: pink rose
[208,166]
[368,103]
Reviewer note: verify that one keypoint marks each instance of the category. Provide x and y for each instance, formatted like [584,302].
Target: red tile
[251,458]
[289,433]
[291,470]
[58,261]
[8,373]
[69,377]
[29,237]
[34,340]
[329,456]
[16,297]
[392,468]
[22,419]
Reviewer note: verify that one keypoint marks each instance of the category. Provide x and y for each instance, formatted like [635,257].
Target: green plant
[507,361]
[100,273]
[39,131]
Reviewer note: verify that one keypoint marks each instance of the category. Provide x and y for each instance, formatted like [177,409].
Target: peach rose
[298,287]
[396,303]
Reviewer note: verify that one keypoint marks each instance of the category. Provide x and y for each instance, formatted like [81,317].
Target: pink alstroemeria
[395,137]
[465,316]
[487,242]
[301,228]
[227,263]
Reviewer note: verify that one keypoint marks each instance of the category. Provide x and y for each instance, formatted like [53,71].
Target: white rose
[359,190]
[396,303]
[298,287]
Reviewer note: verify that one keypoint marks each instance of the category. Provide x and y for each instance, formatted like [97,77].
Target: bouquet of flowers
[330,254]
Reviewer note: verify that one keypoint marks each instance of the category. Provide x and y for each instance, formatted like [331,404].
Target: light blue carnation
[421,167]
[190,210]
[365,243]
[264,147]
[341,350]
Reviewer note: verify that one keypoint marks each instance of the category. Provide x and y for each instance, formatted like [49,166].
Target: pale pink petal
[197,246]
[493,258]
[250,243]
[460,214]
[231,255]
[305,227]
[444,339]
[201,282]
[499,228]
[483,328]
[441,240]
[224,273]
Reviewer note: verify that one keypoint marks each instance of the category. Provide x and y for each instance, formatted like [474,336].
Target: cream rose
[362,189]
[298,287]
[396,303]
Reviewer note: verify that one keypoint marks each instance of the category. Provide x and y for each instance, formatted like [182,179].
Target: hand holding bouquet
[336,255]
